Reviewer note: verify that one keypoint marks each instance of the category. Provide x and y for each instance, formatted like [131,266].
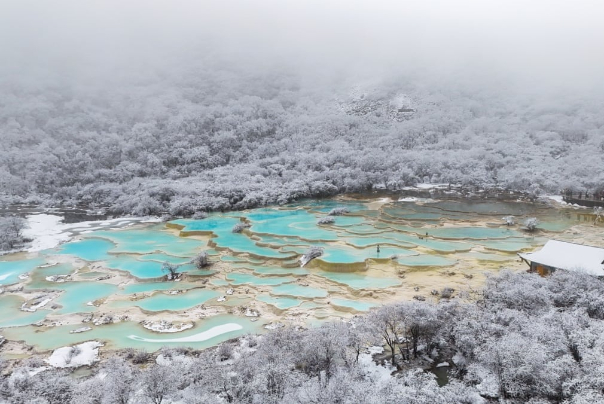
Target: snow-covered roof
[570,257]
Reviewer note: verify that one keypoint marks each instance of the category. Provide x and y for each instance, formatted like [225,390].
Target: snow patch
[459,360]
[202,336]
[48,231]
[58,278]
[80,330]
[251,313]
[166,326]
[35,371]
[72,357]
[170,360]
[426,186]
[377,373]
[555,198]
[36,306]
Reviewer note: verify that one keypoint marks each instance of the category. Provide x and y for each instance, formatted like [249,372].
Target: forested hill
[209,138]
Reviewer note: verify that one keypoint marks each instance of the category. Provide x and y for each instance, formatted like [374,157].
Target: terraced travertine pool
[112,280]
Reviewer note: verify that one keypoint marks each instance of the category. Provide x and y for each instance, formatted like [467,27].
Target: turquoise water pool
[280,302]
[92,249]
[263,261]
[76,295]
[153,286]
[236,278]
[360,280]
[10,270]
[425,260]
[12,316]
[182,301]
[38,276]
[353,304]
[476,233]
[128,334]
[347,255]
[292,289]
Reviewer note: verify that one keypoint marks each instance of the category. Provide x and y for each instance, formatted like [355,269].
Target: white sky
[532,41]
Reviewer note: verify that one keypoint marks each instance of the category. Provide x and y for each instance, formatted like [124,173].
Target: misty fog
[551,44]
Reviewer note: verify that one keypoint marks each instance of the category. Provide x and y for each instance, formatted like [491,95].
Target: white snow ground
[48,231]
[72,357]
[202,336]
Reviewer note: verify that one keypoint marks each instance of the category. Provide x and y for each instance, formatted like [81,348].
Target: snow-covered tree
[11,235]
[202,260]
[531,223]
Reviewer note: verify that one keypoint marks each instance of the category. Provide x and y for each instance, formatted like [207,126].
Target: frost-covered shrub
[531,223]
[202,260]
[225,351]
[141,356]
[446,293]
[252,341]
[171,269]
[338,211]
[238,228]
[509,220]
[326,220]
[199,215]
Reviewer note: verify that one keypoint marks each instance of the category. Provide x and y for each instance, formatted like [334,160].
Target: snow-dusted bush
[202,260]
[238,228]
[509,220]
[199,215]
[338,211]
[446,293]
[326,220]
[531,223]
[225,351]
[140,356]
[171,269]
[310,254]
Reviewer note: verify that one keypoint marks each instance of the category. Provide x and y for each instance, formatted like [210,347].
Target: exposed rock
[166,326]
[80,330]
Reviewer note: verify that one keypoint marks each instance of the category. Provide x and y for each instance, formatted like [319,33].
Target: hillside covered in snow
[147,108]
[215,139]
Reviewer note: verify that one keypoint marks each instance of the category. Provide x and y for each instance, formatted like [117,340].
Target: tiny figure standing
[378,248]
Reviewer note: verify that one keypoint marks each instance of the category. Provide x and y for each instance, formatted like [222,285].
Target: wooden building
[561,255]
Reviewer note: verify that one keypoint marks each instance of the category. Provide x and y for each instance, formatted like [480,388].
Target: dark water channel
[70,215]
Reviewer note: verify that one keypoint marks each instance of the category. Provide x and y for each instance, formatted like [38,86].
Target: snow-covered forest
[213,139]
[525,339]
[205,126]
